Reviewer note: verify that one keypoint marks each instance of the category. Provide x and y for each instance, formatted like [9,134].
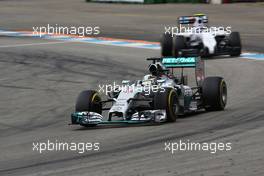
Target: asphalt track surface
[39,83]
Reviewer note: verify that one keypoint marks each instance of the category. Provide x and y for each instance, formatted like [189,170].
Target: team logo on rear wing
[179,62]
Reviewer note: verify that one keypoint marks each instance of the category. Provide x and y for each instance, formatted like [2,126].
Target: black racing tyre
[214,93]
[178,45]
[89,100]
[235,41]
[167,99]
[166,45]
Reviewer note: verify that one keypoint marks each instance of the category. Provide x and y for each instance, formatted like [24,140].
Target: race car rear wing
[179,62]
[187,62]
[191,19]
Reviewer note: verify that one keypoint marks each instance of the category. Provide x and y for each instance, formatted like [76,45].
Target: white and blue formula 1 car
[194,37]
[168,98]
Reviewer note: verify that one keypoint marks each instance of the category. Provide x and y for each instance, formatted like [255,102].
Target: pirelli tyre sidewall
[89,100]
[214,93]
[167,99]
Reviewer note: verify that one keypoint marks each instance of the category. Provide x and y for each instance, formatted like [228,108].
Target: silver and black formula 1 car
[160,96]
[194,37]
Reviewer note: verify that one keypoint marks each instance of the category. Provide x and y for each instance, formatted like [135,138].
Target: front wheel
[214,93]
[235,43]
[88,101]
[167,99]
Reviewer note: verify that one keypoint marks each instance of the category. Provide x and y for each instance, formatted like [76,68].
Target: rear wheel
[214,93]
[89,101]
[166,45]
[179,44]
[235,42]
[167,100]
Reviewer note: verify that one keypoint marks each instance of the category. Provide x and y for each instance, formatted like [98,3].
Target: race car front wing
[93,118]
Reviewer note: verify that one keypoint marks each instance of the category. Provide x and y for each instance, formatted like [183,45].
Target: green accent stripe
[180,65]
[124,121]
